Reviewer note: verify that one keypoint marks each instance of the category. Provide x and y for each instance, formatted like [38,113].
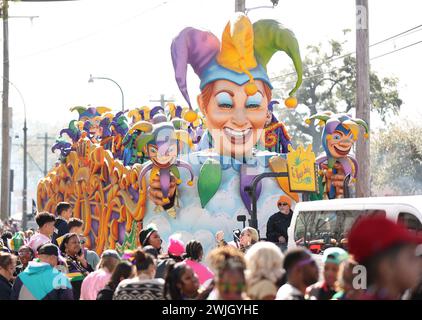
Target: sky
[53,54]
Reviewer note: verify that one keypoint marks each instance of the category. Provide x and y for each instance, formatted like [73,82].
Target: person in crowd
[13,226]
[3,248]
[229,267]
[248,237]
[264,262]
[45,222]
[78,266]
[345,288]
[151,250]
[76,226]
[279,222]
[175,253]
[7,269]
[97,280]
[150,236]
[64,213]
[17,241]
[28,234]
[194,254]
[25,255]
[388,252]
[326,289]
[301,270]
[181,282]
[41,281]
[6,237]
[144,286]
[415,293]
[124,270]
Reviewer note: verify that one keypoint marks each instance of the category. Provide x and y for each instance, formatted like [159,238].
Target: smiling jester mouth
[237,136]
[341,151]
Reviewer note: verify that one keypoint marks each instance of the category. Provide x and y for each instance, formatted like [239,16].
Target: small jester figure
[339,134]
[195,128]
[160,143]
[277,138]
[138,114]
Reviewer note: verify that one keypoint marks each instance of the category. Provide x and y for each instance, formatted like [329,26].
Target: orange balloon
[190,116]
[291,102]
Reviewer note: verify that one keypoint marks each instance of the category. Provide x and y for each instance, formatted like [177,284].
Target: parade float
[188,170]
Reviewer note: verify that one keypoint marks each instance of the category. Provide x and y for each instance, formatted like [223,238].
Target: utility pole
[240,6]
[45,138]
[162,101]
[25,177]
[5,152]
[363,185]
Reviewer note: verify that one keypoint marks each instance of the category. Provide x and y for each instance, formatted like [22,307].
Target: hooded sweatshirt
[40,281]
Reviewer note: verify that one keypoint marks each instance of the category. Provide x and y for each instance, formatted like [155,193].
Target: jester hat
[242,56]
[90,112]
[342,122]
[160,133]
[138,114]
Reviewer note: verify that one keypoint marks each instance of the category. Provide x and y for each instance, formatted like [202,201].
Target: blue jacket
[40,281]
[60,229]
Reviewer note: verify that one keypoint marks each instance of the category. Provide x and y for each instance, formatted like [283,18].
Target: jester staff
[340,132]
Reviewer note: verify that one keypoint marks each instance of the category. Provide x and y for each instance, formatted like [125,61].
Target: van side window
[410,221]
[377,212]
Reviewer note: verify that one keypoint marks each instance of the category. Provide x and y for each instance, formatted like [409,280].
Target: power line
[395,36]
[406,32]
[32,159]
[93,33]
[377,57]
[399,49]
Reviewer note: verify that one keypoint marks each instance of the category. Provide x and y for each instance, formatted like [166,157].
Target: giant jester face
[235,120]
[340,143]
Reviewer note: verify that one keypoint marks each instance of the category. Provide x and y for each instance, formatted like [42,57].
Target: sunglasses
[227,287]
[283,204]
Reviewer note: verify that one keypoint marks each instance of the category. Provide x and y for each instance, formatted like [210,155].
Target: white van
[321,224]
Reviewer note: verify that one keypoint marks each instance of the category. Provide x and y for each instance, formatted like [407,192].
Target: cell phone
[80,253]
[236,235]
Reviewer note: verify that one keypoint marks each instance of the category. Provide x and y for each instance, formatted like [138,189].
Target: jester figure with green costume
[337,167]
[234,98]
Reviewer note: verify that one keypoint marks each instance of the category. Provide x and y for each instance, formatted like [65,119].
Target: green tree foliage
[396,160]
[330,84]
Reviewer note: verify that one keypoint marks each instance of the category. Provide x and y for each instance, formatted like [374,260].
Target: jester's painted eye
[336,136]
[224,100]
[254,101]
[153,150]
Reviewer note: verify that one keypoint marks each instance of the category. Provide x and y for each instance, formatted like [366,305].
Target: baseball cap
[49,249]
[335,255]
[373,234]
[110,254]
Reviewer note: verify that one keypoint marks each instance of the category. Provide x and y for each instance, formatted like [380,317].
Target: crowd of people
[384,262]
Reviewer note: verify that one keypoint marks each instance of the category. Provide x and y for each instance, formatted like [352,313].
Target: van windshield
[318,230]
